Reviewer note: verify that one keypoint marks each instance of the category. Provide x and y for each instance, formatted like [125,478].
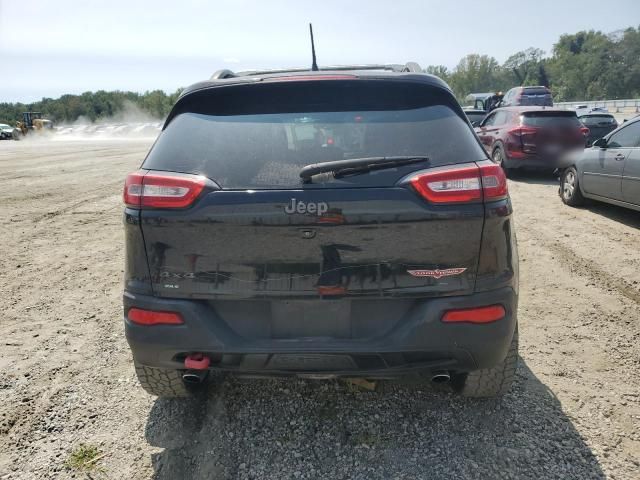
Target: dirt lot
[66,378]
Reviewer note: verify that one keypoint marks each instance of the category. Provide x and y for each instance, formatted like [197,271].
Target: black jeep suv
[340,222]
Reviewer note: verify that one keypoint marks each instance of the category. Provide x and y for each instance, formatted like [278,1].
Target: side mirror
[601,142]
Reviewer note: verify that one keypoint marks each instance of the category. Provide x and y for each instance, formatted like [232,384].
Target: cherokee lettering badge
[437,273]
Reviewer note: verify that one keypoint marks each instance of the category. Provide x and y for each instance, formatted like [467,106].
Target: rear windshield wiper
[353,166]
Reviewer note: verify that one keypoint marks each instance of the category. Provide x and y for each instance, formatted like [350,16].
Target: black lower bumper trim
[418,340]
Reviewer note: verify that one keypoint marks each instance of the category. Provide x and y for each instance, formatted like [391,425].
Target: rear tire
[570,188]
[498,157]
[490,382]
[165,383]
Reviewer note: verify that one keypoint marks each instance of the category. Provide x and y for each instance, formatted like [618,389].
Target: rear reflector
[161,190]
[328,290]
[466,184]
[153,317]
[475,315]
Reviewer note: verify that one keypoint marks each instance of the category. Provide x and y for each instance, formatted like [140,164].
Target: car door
[631,173]
[603,167]
[491,129]
[485,131]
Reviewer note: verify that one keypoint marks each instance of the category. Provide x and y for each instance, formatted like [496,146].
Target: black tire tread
[577,200]
[507,171]
[162,382]
[495,381]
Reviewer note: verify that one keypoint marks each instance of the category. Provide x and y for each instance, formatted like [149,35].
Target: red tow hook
[196,361]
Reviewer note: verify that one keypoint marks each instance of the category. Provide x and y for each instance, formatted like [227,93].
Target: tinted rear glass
[535,91]
[262,138]
[598,120]
[550,119]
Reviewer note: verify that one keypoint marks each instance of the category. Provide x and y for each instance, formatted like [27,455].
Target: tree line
[95,106]
[588,65]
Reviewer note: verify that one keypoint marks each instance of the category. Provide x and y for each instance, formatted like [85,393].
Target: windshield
[269,150]
[4,125]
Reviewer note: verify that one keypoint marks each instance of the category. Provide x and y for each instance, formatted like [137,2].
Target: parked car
[474,115]
[320,224]
[531,137]
[527,96]
[7,132]
[599,122]
[609,171]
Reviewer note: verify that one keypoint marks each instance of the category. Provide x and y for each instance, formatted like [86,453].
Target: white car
[7,132]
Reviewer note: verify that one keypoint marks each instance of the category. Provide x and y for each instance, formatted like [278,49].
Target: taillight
[133,189]
[585,131]
[520,131]
[153,317]
[488,314]
[466,184]
[494,182]
[455,185]
[161,190]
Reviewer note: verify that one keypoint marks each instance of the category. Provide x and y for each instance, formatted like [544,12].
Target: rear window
[535,91]
[598,120]
[550,119]
[262,138]
[536,96]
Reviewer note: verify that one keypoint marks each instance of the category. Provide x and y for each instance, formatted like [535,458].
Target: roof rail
[408,67]
[221,74]
[413,67]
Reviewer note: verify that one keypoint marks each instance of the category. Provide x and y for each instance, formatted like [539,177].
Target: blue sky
[48,48]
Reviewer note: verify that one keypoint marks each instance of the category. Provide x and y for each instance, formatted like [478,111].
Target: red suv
[531,137]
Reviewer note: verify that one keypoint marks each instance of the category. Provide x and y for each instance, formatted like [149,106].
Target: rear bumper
[419,340]
[535,162]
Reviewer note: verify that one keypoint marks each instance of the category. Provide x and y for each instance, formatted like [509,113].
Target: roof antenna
[314,65]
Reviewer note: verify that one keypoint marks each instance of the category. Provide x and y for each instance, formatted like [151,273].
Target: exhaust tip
[193,377]
[441,377]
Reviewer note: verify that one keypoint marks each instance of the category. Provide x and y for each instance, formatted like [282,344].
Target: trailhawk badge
[318,208]
[437,273]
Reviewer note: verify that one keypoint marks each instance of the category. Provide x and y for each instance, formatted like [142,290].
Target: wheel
[163,382]
[499,157]
[570,189]
[490,382]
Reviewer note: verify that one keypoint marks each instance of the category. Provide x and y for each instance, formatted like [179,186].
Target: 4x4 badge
[437,273]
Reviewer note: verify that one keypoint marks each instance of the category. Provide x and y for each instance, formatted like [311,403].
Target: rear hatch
[539,96]
[599,125]
[551,132]
[257,230]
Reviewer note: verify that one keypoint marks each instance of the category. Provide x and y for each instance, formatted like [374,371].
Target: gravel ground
[66,377]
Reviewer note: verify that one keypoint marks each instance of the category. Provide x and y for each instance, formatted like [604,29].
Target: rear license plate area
[311,363]
[311,318]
